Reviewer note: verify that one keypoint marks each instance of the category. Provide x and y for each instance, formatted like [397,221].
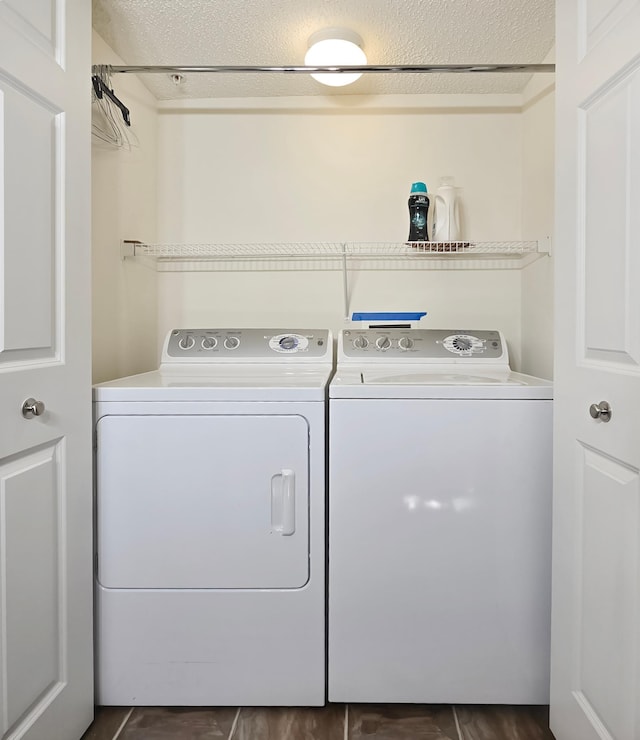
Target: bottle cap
[418,187]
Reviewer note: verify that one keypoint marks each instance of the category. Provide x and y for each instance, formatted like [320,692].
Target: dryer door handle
[283,502]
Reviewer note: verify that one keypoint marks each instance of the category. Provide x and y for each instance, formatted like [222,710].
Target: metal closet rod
[365,68]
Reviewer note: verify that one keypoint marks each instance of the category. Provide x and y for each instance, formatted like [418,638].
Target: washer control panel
[447,345]
[202,345]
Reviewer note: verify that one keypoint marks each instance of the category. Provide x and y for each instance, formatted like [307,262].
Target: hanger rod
[366,68]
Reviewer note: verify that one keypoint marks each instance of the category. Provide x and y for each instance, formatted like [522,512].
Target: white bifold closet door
[46,627]
[595,680]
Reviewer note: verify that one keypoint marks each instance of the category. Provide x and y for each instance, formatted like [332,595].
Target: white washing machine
[439,521]
[210,501]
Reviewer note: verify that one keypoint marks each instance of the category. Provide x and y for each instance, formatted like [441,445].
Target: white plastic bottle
[446,219]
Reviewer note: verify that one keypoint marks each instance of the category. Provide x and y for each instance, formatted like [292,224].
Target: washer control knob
[187,342]
[463,344]
[232,342]
[405,343]
[360,342]
[383,343]
[209,343]
[288,342]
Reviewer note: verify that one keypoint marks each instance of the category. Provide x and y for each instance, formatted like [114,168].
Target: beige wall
[538,142]
[330,169]
[326,170]
[124,206]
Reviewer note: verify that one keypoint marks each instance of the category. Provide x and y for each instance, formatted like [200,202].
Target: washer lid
[439,381]
[452,378]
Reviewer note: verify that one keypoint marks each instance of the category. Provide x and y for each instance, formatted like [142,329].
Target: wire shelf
[329,250]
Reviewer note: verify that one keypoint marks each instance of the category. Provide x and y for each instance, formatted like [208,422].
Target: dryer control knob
[288,342]
[186,342]
[405,343]
[209,343]
[360,342]
[383,343]
[232,342]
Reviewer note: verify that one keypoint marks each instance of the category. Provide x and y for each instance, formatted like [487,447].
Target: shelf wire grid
[335,250]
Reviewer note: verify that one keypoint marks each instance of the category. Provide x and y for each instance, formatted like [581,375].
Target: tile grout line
[122,724]
[235,724]
[455,717]
[345,734]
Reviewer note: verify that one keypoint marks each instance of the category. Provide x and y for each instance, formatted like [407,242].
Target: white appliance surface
[440,381]
[240,382]
[210,492]
[439,521]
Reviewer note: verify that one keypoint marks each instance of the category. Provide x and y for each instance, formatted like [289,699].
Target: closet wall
[124,203]
[538,139]
[323,169]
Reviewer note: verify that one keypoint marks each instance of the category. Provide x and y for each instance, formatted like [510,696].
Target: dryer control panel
[423,345]
[247,345]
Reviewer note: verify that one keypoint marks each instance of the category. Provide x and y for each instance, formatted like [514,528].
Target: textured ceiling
[275,32]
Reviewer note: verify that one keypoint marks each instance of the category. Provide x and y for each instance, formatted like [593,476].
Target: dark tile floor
[333,722]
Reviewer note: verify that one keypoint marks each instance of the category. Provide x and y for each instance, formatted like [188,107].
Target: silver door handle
[600,411]
[31,408]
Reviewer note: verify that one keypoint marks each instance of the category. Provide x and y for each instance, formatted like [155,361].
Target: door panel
[609,590]
[36,20]
[30,543]
[203,501]
[28,147]
[598,17]
[611,187]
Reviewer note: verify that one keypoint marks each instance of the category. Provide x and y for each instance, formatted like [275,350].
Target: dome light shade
[335,47]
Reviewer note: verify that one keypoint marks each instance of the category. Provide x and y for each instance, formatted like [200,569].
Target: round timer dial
[288,343]
[463,344]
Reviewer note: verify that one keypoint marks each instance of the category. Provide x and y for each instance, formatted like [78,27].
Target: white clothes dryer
[210,511]
[439,521]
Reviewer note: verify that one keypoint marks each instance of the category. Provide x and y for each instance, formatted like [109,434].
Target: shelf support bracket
[128,248]
[345,279]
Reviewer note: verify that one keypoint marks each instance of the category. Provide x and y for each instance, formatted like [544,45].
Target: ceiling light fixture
[335,46]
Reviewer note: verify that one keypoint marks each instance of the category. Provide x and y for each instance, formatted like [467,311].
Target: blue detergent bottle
[418,213]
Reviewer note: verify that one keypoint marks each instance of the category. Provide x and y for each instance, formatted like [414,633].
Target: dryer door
[203,501]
